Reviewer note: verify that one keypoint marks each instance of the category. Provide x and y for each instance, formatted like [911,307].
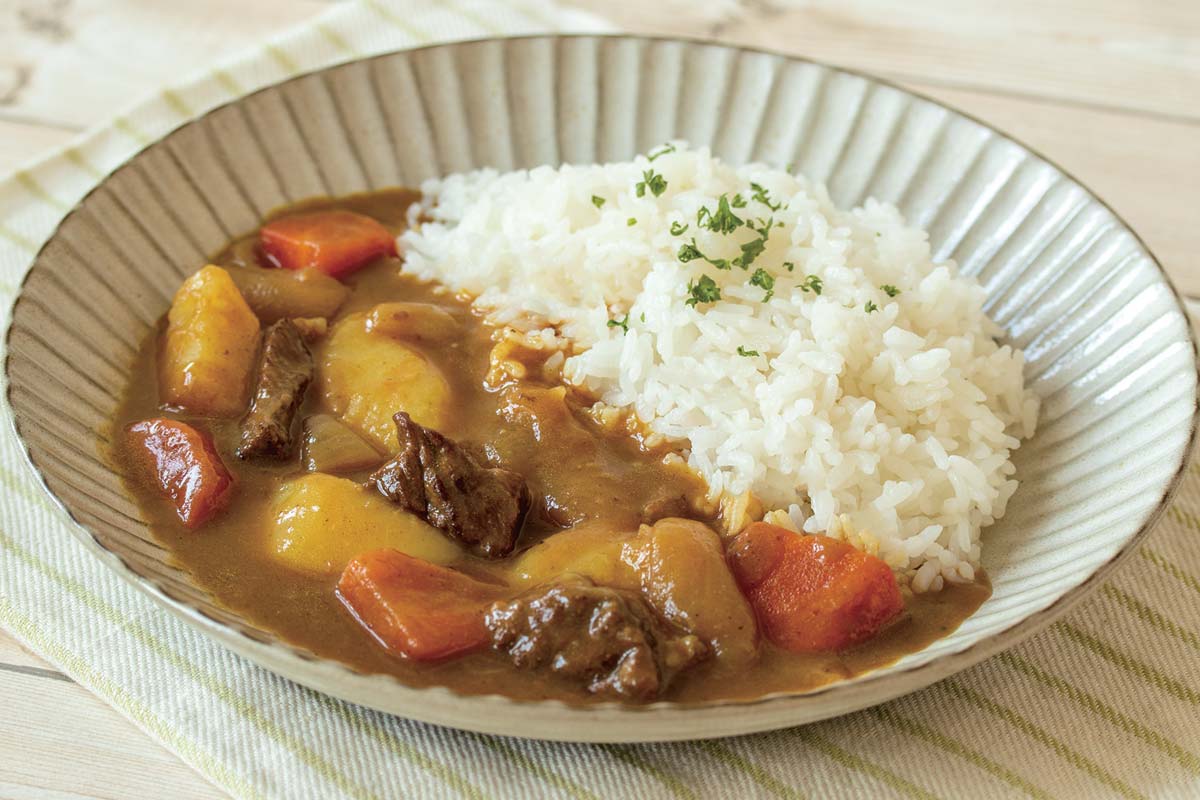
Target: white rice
[891,428]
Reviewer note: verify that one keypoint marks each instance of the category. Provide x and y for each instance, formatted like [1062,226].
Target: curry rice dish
[662,429]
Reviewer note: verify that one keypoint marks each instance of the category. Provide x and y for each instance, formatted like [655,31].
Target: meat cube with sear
[438,480]
[608,638]
[285,369]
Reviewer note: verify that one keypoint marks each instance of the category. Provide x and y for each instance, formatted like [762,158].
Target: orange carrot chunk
[414,608]
[185,466]
[813,593]
[334,242]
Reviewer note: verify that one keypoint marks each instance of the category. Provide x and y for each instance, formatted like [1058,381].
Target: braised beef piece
[285,369]
[440,481]
[608,638]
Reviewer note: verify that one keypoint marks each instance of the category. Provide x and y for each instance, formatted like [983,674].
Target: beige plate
[1108,346]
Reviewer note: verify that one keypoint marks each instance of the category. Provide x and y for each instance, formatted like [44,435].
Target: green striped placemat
[1106,703]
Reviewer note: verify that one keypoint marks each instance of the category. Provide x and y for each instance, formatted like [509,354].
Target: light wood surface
[1108,89]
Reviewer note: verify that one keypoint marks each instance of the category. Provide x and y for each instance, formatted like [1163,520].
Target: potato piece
[591,549]
[365,379]
[277,293]
[681,565]
[319,522]
[330,446]
[417,322]
[208,350]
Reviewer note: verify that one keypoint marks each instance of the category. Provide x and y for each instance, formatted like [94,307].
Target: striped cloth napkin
[1105,703]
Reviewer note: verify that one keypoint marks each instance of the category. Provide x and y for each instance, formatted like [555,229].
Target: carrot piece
[334,242]
[184,464]
[813,593]
[414,608]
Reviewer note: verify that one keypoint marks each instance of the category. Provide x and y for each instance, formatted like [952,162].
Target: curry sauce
[577,469]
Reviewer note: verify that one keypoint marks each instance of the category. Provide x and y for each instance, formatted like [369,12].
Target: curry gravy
[608,474]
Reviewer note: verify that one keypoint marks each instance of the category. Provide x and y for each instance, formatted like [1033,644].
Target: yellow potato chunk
[591,549]
[366,378]
[319,522]
[208,350]
[682,569]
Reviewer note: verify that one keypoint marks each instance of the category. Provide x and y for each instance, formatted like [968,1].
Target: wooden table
[1109,89]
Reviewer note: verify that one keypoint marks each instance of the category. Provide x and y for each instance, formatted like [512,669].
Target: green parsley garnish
[666,148]
[813,284]
[653,181]
[750,251]
[704,290]
[597,200]
[742,351]
[789,266]
[678,228]
[762,196]
[631,222]
[870,306]
[889,290]
[690,252]
[623,324]
[643,316]
[738,201]
[754,248]
[723,221]
[765,281]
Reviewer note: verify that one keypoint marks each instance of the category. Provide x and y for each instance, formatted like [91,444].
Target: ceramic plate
[1108,347]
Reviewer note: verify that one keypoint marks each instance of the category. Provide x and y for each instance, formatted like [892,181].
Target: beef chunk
[439,481]
[285,368]
[607,637]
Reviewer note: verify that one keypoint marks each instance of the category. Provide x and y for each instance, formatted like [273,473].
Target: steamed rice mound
[865,398]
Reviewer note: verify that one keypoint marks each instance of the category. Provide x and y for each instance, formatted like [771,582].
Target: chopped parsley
[666,148]
[690,252]
[765,281]
[704,290]
[623,324]
[742,351]
[597,200]
[653,181]
[643,316]
[750,251]
[813,284]
[870,306]
[789,266]
[738,201]
[754,248]
[679,228]
[889,290]
[723,221]
[762,196]
[631,222]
